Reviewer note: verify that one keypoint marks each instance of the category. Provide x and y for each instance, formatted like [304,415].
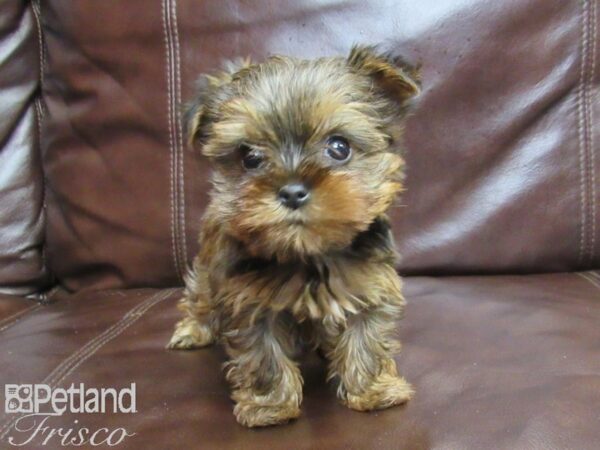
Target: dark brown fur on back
[265,270]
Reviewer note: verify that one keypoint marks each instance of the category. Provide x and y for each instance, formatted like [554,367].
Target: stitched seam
[581,136]
[37,12]
[586,109]
[73,357]
[173,206]
[589,279]
[131,317]
[172,131]
[77,358]
[586,126]
[171,193]
[595,275]
[40,115]
[586,129]
[9,321]
[180,147]
[39,111]
[590,130]
[70,364]
[176,177]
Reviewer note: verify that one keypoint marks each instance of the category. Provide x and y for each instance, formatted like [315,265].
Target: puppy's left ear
[396,78]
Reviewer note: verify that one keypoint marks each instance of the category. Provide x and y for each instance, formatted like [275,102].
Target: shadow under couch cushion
[497,361]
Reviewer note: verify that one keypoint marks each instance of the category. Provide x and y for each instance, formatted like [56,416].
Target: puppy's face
[303,151]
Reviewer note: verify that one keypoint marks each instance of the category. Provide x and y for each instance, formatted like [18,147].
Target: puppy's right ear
[195,117]
[211,90]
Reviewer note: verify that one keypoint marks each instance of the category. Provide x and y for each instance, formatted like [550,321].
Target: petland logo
[34,406]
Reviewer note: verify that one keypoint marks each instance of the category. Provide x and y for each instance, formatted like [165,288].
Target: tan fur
[266,274]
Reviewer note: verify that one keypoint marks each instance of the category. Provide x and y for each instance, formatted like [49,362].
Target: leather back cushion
[22,268]
[499,149]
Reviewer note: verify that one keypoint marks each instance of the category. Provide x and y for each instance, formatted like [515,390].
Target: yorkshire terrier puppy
[295,246]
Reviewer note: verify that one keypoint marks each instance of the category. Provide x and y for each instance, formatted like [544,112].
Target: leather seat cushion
[498,362]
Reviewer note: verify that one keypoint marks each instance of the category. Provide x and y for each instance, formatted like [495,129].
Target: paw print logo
[18,398]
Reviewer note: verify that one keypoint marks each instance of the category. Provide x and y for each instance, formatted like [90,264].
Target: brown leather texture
[502,175]
[22,220]
[12,307]
[498,362]
[101,199]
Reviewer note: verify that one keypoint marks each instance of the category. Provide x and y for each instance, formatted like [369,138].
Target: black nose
[293,195]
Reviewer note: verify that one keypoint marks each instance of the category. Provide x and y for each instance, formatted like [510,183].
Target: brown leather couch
[500,226]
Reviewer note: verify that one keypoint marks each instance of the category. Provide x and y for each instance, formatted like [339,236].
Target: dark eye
[251,158]
[338,148]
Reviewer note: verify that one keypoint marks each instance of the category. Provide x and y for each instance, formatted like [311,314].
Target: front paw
[386,391]
[260,411]
[190,334]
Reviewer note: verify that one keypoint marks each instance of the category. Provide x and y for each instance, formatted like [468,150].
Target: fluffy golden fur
[270,278]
